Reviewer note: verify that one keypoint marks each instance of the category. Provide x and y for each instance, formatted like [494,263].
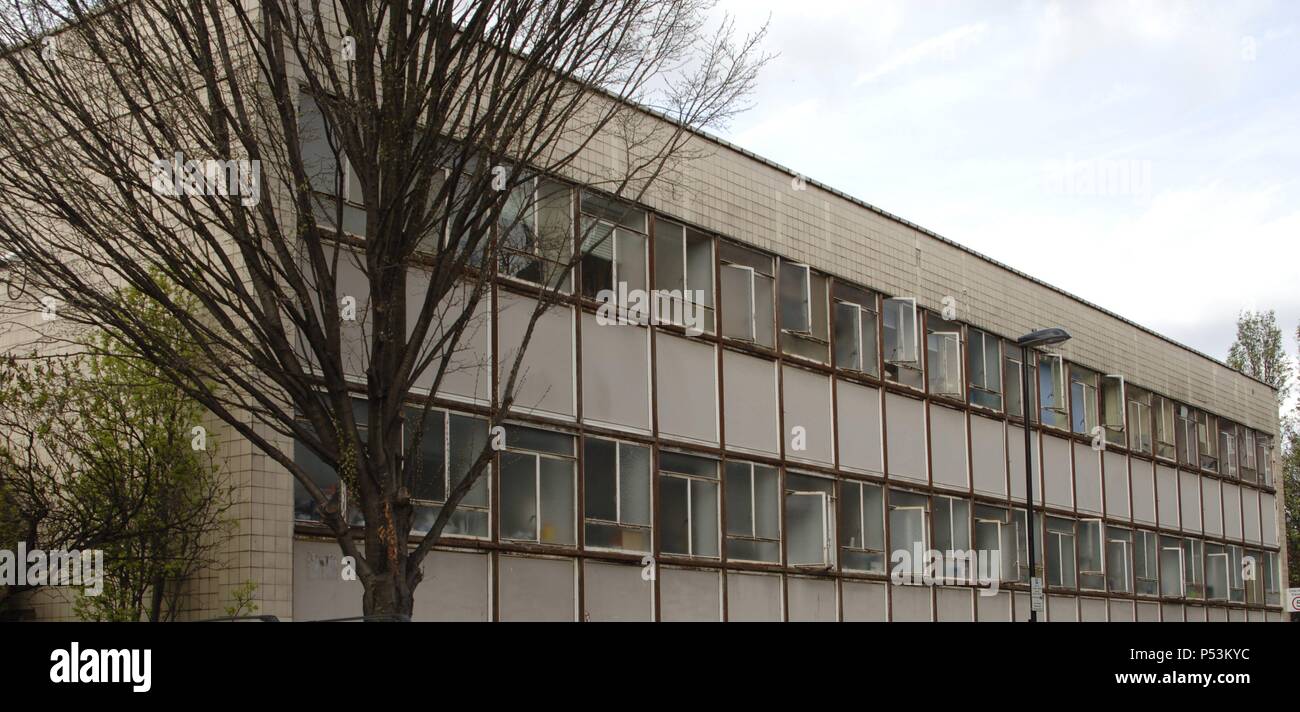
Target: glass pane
[851,515]
[674,518]
[847,337]
[428,482]
[600,500]
[795,309]
[806,523]
[634,469]
[557,479]
[670,273]
[688,464]
[324,477]
[518,496]
[870,349]
[522,438]
[767,503]
[907,532]
[699,267]
[704,518]
[764,314]
[469,438]
[631,260]
[874,516]
[740,520]
[737,302]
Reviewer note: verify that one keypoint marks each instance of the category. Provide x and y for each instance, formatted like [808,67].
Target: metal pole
[1029,473]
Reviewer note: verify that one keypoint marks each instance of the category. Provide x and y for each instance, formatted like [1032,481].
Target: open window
[1165,427]
[1061,564]
[943,356]
[809,512]
[984,366]
[613,249]
[1194,568]
[1083,400]
[1092,555]
[1012,381]
[909,531]
[748,288]
[1216,572]
[995,534]
[538,487]
[1113,410]
[753,512]
[1052,391]
[450,443]
[1246,446]
[1187,436]
[1139,420]
[688,505]
[901,354]
[1264,444]
[1228,462]
[683,275]
[855,330]
[1146,563]
[536,233]
[1119,551]
[1207,440]
[616,495]
[1172,574]
[952,538]
[862,527]
[805,324]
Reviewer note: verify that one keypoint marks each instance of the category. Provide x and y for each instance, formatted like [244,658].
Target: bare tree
[435,116]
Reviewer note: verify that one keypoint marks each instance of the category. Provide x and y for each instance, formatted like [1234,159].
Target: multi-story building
[852,391]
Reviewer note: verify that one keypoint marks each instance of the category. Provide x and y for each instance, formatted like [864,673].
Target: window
[809,520]
[1112,409]
[538,487]
[902,359]
[1246,446]
[1272,580]
[1194,568]
[688,505]
[1236,582]
[325,477]
[1164,414]
[536,233]
[984,363]
[1187,437]
[613,247]
[1060,552]
[1012,379]
[943,356]
[747,295]
[1216,572]
[1052,390]
[1139,420]
[1091,555]
[862,527]
[1207,440]
[684,275]
[995,535]
[1146,563]
[909,531]
[753,513]
[1265,445]
[1119,575]
[328,170]
[616,495]
[1228,449]
[1083,401]
[855,330]
[805,325]
[1171,567]
[450,443]
[952,538]
[1022,543]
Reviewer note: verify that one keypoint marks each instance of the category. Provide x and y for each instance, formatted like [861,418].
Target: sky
[1144,156]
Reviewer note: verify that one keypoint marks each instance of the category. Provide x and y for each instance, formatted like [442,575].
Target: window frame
[860,488]
[689,479]
[512,448]
[981,394]
[752,535]
[619,475]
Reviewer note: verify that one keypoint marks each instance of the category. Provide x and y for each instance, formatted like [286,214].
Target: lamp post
[1041,337]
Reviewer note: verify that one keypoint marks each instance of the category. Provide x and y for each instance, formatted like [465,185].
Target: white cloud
[942,46]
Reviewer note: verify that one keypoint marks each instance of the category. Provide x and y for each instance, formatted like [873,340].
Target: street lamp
[1041,337]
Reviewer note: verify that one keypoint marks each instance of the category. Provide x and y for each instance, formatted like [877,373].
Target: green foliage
[1258,351]
[242,602]
[98,455]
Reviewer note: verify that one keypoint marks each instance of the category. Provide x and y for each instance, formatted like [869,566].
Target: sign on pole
[1293,600]
[1036,594]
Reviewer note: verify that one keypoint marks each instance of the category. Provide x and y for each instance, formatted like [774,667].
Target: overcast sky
[1141,155]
